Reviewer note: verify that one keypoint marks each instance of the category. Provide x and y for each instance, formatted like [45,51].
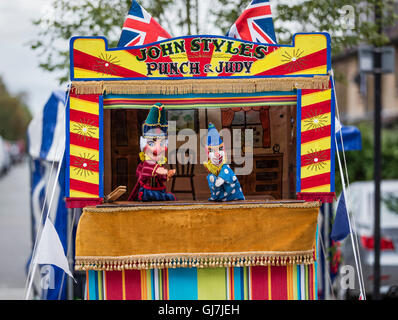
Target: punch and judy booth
[263,247]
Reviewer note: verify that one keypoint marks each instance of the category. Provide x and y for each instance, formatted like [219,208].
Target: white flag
[337,126]
[50,250]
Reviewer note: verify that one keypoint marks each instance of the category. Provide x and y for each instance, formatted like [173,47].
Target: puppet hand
[171,173]
[161,171]
[219,182]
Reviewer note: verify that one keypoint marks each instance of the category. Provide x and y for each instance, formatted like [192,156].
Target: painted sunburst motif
[316,120]
[84,165]
[315,160]
[85,129]
[106,64]
[294,60]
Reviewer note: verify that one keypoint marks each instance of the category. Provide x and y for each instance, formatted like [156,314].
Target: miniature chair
[184,169]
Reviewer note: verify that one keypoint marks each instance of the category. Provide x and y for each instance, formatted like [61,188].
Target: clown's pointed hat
[213,137]
[155,124]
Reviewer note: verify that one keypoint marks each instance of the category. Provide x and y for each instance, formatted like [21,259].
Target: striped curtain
[294,282]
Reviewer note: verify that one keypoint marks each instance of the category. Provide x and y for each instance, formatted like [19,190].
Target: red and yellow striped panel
[84,156]
[200,57]
[316,124]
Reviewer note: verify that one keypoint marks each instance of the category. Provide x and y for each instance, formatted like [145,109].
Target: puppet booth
[234,214]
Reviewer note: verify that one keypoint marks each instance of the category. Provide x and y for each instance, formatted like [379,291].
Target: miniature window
[184,119]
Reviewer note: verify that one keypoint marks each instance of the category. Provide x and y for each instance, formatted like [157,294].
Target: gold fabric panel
[200,235]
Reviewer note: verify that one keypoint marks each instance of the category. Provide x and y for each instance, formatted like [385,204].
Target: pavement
[15,231]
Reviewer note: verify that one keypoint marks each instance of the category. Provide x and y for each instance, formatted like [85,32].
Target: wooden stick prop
[116,194]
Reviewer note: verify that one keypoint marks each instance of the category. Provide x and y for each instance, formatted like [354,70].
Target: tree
[227,12]
[349,22]
[106,17]
[69,18]
[73,17]
[14,115]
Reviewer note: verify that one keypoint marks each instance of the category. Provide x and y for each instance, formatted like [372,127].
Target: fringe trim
[325,197]
[199,85]
[225,206]
[205,260]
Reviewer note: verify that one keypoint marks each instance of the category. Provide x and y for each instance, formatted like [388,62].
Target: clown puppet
[151,174]
[223,183]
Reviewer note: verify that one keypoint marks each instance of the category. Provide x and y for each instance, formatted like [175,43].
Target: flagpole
[45,198]
[48,213]
[70,231]
[377,57]
[349,223]
[349,192]
[326,233]
[355,245]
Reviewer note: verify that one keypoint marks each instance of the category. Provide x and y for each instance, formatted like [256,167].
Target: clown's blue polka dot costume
[223,183]
[225,186]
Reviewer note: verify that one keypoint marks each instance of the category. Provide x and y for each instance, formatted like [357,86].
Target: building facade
[355,90]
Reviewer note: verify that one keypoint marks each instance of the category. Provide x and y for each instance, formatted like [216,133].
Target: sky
[18,63]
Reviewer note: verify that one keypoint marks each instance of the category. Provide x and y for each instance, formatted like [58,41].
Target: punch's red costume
[150,185]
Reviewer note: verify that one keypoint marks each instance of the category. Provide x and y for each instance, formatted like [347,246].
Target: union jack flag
[255,24]
[140,28]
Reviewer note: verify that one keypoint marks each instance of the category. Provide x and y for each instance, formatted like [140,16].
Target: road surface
[15,231]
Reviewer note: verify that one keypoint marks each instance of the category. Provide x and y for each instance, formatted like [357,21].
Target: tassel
[212,261]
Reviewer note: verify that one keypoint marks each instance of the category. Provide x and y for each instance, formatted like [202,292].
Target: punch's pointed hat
[213,137]
[155,124]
